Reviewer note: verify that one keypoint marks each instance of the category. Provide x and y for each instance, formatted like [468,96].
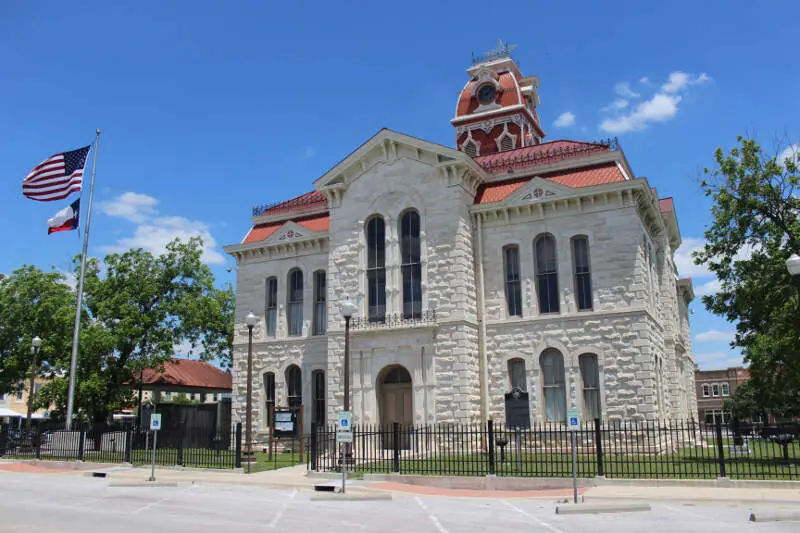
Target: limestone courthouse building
[507,261]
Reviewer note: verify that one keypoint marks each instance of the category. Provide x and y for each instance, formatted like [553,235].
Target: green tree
[33,303]
[755,229]
[139,307]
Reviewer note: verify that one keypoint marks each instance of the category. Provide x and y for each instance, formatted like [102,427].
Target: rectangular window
[411,265]
[583,277]
[726,391]
[706,391]
[376,269]
[203,397]
[269,394]
[516,374]
[19,394]
[715,389]
[513,284]
[546,274]
[272,306]
[590,373]
[295,303]
[320,315]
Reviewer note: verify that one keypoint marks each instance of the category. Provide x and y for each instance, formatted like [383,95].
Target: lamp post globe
[793,265]
[37,341]
[251,319]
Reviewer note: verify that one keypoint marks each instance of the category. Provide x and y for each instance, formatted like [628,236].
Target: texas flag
[66,219]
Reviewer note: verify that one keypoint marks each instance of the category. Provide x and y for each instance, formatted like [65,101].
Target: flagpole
[73,364]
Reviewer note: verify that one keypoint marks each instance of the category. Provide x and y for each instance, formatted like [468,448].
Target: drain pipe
[484,365]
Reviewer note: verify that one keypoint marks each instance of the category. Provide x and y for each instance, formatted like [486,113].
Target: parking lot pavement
[79,504]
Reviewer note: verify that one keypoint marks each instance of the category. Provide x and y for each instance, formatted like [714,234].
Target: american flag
[56,177]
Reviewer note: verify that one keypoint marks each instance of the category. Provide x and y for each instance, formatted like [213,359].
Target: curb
[348,497]
[596,508]
[143,484]
[775,517]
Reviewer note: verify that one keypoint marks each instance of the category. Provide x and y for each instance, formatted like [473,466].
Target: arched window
[582,273]
[320,315]
[318,381]
[546,273]
[555,396]
[412,268]
[269,395]
[590,375]
[272,305]
[376,269]
[294,386]
[513,286]
[516,374]
[295,302]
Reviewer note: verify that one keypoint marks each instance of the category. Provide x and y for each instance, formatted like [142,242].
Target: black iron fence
[641,449]
[176,446]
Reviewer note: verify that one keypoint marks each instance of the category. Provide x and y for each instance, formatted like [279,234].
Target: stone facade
[458,360]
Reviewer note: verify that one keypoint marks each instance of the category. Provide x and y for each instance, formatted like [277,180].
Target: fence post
[313,447]
[720,449]
[396,439]
[598,441]
[238,445]
[181,433]
[81,443]
[38,437]
[490,428]
[128,444]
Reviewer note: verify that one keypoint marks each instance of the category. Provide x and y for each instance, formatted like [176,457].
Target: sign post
[155,425]
[574,425]
[344,434]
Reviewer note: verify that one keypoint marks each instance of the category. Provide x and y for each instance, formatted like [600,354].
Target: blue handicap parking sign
[573,421]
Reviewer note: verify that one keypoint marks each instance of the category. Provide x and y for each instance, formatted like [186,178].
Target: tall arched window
[590,375]
[583,276]
[412,268]
[555,395]
[513,286]
[546,273]
[272,305]
[516,374]
[320,315]
[376,269]
[295,302]
[269,395]
[294,386]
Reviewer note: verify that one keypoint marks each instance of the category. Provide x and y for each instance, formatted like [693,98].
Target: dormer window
[506,143]
[470,148]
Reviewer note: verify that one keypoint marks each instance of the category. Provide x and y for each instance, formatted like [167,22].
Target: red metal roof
[309,200]
[539,154]
[190,374]
[666,205]
[581,177]
[312,223]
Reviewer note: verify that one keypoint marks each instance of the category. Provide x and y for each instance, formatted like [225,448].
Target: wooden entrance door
[396,405]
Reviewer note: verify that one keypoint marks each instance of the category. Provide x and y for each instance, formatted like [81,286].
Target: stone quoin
[506,262]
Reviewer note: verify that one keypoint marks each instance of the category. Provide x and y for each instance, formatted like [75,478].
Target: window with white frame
[706,391]
[272,306]
[513,284]
[376,269]
[582,273]
[411,264]
[295,302]
[516,374]
[555,397]
[590,375]
[546,273]
[726,391]
[715,389]
[320,315]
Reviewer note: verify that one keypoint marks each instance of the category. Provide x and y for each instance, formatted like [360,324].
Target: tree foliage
[755,229]
[33,303]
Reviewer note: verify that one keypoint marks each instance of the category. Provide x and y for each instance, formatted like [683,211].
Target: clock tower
[496,109]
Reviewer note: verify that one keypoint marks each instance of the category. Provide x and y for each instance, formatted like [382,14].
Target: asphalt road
[74,503]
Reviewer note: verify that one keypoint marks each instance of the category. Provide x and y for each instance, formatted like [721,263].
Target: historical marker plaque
[518,409]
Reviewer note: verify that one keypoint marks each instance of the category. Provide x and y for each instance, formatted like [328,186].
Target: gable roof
[575,178]
[190,374]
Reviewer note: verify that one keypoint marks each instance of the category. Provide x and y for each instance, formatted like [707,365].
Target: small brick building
[713,388]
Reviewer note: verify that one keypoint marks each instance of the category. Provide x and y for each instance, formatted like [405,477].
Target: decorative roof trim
[289,215]
[564,164]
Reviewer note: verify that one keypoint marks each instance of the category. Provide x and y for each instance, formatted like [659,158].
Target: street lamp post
[36,344]
[250,320]
[348,309]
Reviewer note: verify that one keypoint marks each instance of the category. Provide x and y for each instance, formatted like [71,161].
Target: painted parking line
[534,517]
[432,518]
[282,510]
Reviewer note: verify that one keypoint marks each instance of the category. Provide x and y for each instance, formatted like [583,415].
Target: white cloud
[184,348]
[69,279]
[154,236]
[645,80]
[130,205]
[660,108]
[624,90]
[683,258]
[709,287]
[680,80]
[564,120]
[792,152]
[616,105]
[718,360]
[714,335]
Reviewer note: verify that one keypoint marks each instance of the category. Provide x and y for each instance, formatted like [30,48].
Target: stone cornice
[316,243]
[578,316]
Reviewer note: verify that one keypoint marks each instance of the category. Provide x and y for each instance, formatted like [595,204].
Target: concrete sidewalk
[692,494]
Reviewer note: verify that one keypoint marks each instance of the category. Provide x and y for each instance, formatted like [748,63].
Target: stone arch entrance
[396,404]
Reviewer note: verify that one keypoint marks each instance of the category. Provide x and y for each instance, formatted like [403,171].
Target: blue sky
[209,108]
